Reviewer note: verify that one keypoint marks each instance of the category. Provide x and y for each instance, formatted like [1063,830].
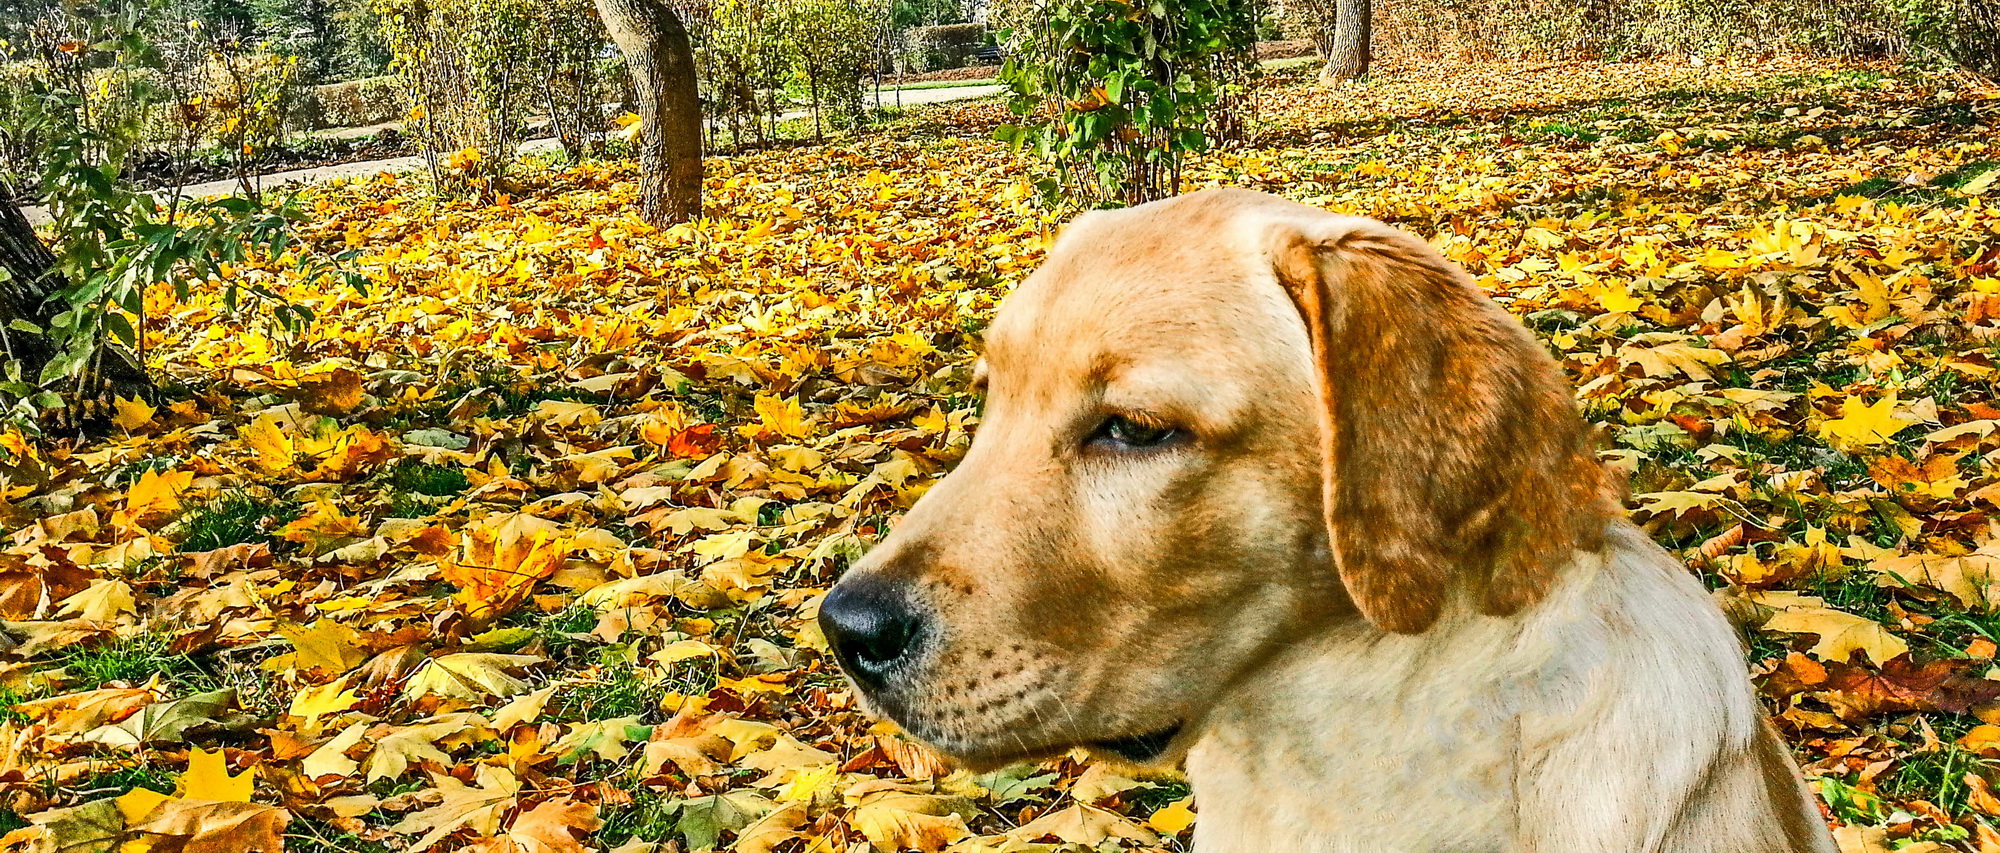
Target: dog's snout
[871,626]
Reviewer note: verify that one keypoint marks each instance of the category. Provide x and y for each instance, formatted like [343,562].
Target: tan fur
[1378,585]
[1436,358]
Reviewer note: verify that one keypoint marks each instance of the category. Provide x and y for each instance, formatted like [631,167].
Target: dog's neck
[1427,724]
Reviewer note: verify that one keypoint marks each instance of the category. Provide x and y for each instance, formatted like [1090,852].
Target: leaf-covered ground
[519,551]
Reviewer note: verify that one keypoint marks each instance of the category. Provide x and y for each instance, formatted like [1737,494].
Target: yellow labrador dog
[1282,494]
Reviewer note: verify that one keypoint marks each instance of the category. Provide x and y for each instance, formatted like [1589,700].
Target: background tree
[660,60]
[1114,94]
[1348,47]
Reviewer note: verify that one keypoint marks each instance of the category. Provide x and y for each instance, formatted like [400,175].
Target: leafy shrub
[139,95]
[835,44]
[751,54]
[565,40]
[1964,32]
[472,71]
[946,46]
[743,62]
[1113,93]
[462,63]
[355,103]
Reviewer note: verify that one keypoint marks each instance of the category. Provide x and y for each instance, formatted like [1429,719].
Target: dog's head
[1213,423]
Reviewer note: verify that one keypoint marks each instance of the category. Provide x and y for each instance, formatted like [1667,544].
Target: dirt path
[910,98]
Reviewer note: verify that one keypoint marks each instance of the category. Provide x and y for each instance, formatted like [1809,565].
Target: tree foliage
[1115,93]
[759,57]
[72,314]
[1965,33]
[475,70]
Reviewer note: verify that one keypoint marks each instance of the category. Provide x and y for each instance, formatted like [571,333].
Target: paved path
[910,98]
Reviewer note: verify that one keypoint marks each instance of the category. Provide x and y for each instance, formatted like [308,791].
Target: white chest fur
[1597,720]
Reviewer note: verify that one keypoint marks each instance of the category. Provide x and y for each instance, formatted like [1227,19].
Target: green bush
[474,70]
[1965,33]
[946,46]
[1114,94]
[1960,32]
[355,103]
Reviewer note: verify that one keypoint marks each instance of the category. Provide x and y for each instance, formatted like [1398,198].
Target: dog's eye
[1123,433]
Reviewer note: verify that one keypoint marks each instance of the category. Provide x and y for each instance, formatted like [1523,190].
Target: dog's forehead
[1174,276]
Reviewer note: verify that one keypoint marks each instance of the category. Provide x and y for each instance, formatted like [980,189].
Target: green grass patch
[424,478]
[133,660]
[8,700]
[1938,775]
[232,519]
[1940,191]
[620,689]
[124,780]
[416,488]
[305,835]
[1159,795]
[648,817]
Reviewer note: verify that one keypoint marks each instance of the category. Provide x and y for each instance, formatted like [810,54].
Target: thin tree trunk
[661,61]
[1352,31]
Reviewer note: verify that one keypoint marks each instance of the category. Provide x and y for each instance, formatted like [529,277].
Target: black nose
[871,627]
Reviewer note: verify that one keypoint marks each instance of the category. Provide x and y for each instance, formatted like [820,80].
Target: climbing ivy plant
[1114,93]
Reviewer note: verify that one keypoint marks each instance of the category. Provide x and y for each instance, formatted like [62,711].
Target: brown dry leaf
[1841,634]
[771,830]
[477,807]
[1082,824]
[894,817]
[333,392]
[913,759]
[201,826]
[1970,578]
[549,827]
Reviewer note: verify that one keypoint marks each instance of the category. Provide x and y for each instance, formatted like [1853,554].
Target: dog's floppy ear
[1453,454]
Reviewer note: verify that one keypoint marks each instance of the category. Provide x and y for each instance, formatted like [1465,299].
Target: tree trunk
[1352,31]
[661,61]
[30,280]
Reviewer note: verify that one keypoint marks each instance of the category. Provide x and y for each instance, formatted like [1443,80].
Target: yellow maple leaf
[551,827]
[777,417]
[1841,634]
[893,817]
[469,675]
[137,803]
[1861,426]
[269,439]
[314,703]
[1970,578]
[106,600]
[1082,824]
[330,759]
[207,778]
[324,528]
[131,413]
[157,494]
[478,807]
[1619,300]
[1174,818]
[325,645]
[499,560]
